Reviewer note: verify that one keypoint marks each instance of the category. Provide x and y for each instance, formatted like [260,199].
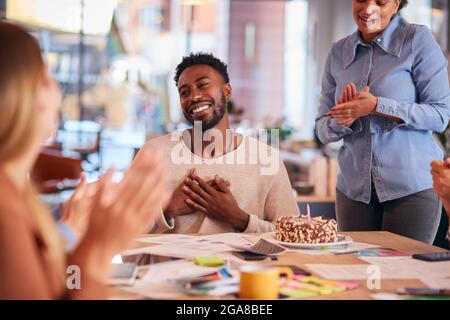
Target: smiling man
[222,181]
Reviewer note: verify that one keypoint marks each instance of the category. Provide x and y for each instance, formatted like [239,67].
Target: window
[297,110]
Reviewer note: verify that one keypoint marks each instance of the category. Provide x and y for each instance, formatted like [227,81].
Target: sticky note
[295,293]
[209,261]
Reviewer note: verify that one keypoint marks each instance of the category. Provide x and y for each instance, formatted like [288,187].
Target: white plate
[342,241]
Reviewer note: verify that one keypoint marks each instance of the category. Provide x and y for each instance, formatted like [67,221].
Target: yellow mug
[261,282]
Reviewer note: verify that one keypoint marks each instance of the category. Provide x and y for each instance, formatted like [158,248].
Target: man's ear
[227,91]
[398,6]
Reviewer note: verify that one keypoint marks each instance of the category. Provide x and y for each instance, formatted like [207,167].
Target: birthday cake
[302,229]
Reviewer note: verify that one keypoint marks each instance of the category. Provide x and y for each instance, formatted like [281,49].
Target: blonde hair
[22,70]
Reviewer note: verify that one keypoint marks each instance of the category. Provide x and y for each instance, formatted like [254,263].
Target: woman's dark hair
[403,4]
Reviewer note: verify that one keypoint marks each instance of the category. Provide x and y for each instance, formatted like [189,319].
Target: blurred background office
[115,60]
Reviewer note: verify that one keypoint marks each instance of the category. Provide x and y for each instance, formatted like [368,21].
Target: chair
[83,137]
[94,148]
[54,172]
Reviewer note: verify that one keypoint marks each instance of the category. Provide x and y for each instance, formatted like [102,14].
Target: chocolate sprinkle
[300,230]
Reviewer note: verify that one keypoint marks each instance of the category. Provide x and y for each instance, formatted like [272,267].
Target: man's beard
[218,113]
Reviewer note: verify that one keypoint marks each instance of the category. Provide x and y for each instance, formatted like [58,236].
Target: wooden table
[382,238]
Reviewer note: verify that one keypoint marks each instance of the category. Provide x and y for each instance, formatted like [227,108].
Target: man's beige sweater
[258,181]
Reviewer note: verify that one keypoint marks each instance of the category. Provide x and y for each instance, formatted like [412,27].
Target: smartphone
[423,292]
[438,256]
[250,256]
[123,274]
[296,270]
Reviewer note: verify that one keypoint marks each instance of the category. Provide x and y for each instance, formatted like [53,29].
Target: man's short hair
[201,58]
[403,4]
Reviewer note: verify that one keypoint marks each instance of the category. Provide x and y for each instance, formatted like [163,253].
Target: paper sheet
[409,268]
[171,250]
[186,246]
[173,270]
[167,238]
[387,296]
[340,271]
[221,238]
[353,246]
[389,267]
[233,238]
[217,243]
[440,283]
[159,281]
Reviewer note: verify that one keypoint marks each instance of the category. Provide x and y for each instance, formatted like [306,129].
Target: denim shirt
[407,71]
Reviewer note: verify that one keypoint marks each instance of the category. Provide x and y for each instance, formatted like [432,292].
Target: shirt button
[378,39]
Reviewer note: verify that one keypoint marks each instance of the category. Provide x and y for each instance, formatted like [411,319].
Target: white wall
[329,21]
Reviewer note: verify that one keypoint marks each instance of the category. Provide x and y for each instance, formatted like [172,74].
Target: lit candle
[308,212]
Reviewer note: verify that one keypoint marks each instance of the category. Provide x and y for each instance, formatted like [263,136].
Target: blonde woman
[32,260]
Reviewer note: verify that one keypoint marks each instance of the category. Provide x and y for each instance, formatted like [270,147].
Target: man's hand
[177,204]
[440,171]
[216,203]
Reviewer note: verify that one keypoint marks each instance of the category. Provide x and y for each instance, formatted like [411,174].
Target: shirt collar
[390,40]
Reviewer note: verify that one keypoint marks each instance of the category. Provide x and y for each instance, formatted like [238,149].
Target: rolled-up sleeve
[429,71]
[327,129]
[162,224]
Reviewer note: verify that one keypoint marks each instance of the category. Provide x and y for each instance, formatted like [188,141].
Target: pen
[348,252]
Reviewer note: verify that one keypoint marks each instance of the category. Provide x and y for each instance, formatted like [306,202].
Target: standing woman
[384,91]
[33,264]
